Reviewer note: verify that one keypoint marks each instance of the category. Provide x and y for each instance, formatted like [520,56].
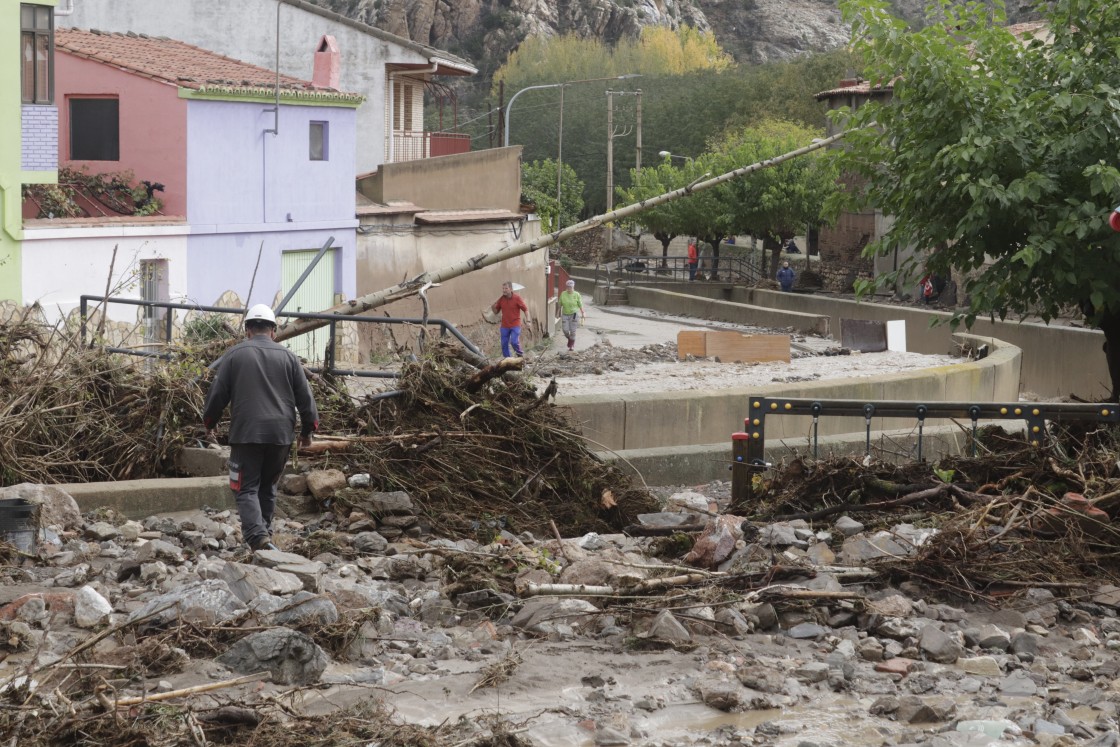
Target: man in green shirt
[570,303]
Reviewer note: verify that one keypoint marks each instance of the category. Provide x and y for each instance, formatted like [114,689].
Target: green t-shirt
[569,302]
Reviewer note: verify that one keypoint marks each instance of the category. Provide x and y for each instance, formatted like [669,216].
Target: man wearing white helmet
[264,385]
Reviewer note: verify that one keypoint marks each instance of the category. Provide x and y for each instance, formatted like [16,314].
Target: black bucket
[18,524]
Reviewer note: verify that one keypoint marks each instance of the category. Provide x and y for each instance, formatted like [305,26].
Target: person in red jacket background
[510,306]
[693,260]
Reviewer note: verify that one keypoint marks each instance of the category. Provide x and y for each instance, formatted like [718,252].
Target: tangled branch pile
[74,414]
[478,450]
[1011,518]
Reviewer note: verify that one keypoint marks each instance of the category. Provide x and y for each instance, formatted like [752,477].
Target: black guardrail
[748,447]
[721,269]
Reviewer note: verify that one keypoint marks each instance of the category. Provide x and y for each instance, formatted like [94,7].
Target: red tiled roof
[174,62]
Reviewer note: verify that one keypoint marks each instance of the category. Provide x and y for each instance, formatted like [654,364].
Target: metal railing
[413,145]
[653,267]
[445,327]
[748,448]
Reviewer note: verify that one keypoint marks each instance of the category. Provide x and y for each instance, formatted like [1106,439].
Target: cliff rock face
[485,31]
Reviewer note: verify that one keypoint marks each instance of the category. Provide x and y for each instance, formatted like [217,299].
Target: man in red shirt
[693,260]
[511,305]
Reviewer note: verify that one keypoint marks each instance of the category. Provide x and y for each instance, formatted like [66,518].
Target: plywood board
[691,343]
[731,347]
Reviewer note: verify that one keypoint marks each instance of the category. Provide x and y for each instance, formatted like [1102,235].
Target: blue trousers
[511,338]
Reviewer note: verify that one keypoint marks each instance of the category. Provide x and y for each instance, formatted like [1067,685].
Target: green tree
[665,222]
[538,186]
[997,156]
[775,204]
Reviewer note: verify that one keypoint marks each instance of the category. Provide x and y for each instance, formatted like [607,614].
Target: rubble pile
[716,628]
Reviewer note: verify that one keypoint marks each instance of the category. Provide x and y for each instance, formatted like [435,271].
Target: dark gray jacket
[264,384]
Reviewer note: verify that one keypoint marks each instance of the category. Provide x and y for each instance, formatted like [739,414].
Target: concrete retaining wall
[1057,360]
[641,421]
[726,311]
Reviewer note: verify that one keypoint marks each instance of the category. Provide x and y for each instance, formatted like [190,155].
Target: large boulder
[290,656]
[716,543]
[205,602]
[56,508]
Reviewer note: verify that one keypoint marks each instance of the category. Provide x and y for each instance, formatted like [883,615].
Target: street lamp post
[667,154]
[560,135]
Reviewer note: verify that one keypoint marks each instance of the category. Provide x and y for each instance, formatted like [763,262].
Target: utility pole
[612,133]
[638,146]
[559,159]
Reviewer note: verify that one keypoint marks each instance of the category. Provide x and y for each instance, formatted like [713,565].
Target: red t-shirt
[511,309]
[692,253]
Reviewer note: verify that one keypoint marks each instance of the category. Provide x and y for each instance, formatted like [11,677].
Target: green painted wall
[12,177]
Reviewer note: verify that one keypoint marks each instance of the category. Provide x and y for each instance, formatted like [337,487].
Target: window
[36,52]
[319,141]
[95,130]
[402,105]
[154,287]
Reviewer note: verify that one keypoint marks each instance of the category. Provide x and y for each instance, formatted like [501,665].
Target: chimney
[328,64]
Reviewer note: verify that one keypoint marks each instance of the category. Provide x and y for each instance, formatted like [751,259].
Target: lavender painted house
[259,187]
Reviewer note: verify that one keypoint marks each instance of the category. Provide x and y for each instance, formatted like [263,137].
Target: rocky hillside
[484,31]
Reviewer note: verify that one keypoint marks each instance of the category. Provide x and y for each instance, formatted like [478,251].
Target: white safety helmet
[261,313]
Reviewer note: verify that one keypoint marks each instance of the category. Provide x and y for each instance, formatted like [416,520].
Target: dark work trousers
[254,470]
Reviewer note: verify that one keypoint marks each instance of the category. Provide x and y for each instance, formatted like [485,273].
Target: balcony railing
[410,145]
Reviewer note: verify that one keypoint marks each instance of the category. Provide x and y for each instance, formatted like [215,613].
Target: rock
[1024,643]
[780,535]
[688,501]
[55,507]
[861,549]
[733,621]
[359,480]
[666,627]
[102,531]
[892,605]
[371,543]
[159,550]
[870,649]
[764,613]
[989,636]
[1107,595]
[899,665]
[539,610]
[72,577]
[806,631]
[720,694]
[897,628]
[587,572]
[349,594]
[90,608]
[290,656]
[762,679]
[915,710]
[324,483]
[821,554]
[293,484]
[607,737]
[249,581]
[1018,683]
[982,665]
[847,526]
[668,520]
[884,706]
[130,530]
[309,572]
[938,646]
[204,602]
[1041,607]
[812,671]
[396,503]
[716,543]
[305,609]
[1041,726]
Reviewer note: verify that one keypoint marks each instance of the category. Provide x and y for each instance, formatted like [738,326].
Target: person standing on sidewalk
[569,303]
[693,260]
[510,306]
[264,384]
[785,276]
